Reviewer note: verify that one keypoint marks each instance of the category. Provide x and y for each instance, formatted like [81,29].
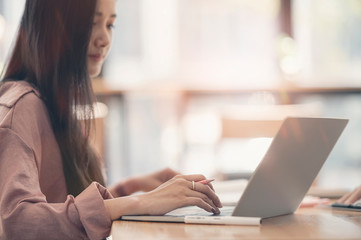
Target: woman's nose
[103,38]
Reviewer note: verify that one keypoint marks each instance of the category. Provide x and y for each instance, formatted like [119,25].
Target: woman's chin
[94,74]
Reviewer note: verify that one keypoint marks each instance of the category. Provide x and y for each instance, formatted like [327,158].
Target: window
[10,14]
[195,43]
[328,38]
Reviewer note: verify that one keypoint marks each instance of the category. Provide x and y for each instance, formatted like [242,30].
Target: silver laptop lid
[289,167]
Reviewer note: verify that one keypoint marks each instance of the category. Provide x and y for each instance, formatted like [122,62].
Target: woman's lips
[96,57]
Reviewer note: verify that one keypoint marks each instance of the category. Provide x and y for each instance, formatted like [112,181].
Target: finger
[194,177]
[208,182]
[182,179]
[355,195]
[204,198]
[210,193]
[194,201]
[211,186]
[344,198]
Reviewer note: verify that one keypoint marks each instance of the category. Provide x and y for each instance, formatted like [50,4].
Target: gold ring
[193,186]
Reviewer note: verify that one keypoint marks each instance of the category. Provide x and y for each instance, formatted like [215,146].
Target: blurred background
[201,86]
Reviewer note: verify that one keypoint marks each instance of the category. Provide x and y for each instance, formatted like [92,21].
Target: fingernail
[216,211]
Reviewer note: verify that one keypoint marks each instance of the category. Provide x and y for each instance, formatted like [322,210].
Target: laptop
[283,177]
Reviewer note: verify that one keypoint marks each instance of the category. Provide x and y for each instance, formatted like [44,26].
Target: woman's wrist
[129,205]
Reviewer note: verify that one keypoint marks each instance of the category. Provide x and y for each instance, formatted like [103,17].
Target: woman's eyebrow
[100,14]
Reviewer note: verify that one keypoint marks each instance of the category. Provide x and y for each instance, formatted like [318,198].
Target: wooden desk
[306,223]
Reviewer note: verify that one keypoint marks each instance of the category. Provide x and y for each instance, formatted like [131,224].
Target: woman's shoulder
[12,91]
[24,113]
[20,101]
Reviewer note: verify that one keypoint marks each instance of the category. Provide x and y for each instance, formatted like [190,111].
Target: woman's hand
[351,197]
[175,193]
[152,181]
[142,183]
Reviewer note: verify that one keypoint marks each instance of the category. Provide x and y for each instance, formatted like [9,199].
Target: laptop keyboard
[226,211]
[349,207]
[195,211]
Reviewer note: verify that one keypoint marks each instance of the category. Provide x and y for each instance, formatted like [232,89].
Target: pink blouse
[33,197]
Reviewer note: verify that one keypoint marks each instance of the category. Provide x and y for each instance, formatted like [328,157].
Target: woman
[51,183]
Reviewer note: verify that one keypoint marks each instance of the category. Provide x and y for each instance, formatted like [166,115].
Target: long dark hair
[51,54]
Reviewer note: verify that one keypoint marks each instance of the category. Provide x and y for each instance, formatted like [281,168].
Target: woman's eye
[110,26]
